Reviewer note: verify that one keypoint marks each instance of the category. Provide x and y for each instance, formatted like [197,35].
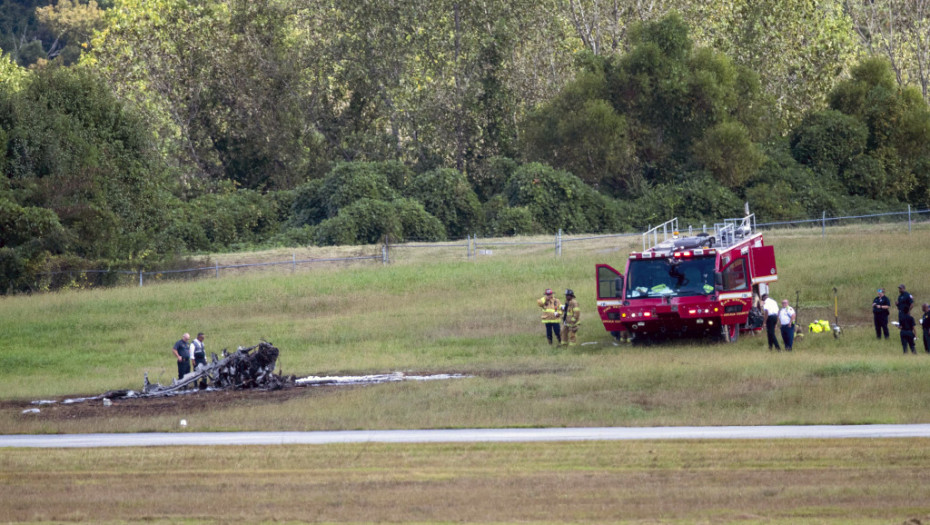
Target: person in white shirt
[786,318]
[771,320]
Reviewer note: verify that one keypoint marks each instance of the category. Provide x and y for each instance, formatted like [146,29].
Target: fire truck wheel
[730,332]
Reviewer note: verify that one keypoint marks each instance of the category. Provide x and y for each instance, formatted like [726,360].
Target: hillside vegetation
[478,318]
[136,132]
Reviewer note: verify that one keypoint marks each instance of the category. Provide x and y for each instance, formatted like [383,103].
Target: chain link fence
[472,248]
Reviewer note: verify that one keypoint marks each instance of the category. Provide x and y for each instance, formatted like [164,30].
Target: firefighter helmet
[569,292]
[548,291]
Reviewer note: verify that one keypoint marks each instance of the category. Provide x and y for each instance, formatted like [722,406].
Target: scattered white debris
[589,343]
[44,402]
[79,400]
[372,379]
[107,402]
[183,422]
[31,411]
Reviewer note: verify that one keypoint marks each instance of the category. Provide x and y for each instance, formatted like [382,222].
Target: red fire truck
[699,283]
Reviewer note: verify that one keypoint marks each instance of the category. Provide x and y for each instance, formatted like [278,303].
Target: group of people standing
[881,308]
[783,317]
[556,315]
[186,351]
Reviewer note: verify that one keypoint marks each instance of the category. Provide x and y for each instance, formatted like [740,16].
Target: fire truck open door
[762,260]
[609,282]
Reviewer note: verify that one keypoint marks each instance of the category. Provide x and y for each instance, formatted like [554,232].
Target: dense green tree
[727,152]
[581,132]
[673,94]
[799,48]
[828,140]
[874,137]
[72,148]
[220,83]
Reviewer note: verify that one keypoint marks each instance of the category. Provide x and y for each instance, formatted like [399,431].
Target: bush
[309,206]
[350,182]
[300,236]
[559,200]
[12,271]
[515,221]
[366,221]
[446,195]
[418,224]
[220,221]
[338,231]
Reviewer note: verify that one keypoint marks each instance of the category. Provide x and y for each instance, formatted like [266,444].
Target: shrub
[418,224]
[350,182]
[365,221]
[559,200]
[446,195]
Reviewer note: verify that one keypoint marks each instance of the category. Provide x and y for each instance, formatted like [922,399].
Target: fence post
[385,256]
[294,255]
[468,247]
[908,218]
[558,243]
[823,224]
[140,277]
[476,247]
[216,270]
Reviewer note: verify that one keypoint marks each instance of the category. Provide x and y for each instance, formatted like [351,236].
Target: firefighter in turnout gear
[571,316]
[551,308]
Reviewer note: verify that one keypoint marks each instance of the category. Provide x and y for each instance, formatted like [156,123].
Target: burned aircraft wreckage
[246,368]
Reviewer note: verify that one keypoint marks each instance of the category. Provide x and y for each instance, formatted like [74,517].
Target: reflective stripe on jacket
[551,309]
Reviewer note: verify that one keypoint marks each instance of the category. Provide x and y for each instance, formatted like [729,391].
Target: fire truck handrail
[726,234]
[669,230]
[732,231]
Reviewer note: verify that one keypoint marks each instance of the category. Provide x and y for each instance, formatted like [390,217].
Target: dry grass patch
[785,481]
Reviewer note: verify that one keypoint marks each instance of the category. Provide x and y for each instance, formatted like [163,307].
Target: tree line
[137,131]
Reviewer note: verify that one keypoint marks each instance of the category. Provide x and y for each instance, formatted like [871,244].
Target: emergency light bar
[685,254]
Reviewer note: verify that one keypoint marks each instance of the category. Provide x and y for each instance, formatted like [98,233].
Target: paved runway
[465,435]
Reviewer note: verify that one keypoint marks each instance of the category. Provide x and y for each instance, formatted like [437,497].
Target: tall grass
[479,318]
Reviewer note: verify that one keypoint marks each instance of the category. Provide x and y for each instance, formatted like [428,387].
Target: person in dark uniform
[905,301]
[925,323]
[881,307]
[182,351]
[907,325]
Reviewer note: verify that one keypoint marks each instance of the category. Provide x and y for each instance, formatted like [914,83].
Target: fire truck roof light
[647,314]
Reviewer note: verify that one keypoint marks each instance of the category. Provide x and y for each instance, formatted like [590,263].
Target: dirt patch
[89,406]
[188,403]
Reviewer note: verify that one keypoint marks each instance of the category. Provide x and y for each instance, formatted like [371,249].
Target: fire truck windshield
[670,277]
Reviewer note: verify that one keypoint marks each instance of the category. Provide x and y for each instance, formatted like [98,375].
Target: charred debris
[246,368]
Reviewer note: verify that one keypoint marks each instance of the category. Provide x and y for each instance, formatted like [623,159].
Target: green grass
[479,318]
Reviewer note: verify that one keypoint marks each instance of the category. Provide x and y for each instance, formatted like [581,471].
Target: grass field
[428,315]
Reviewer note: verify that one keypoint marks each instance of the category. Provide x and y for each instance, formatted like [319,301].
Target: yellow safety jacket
[819,326]
[573,318]
[551,309]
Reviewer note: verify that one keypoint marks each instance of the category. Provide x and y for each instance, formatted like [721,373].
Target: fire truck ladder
[668,231]
[732,231]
